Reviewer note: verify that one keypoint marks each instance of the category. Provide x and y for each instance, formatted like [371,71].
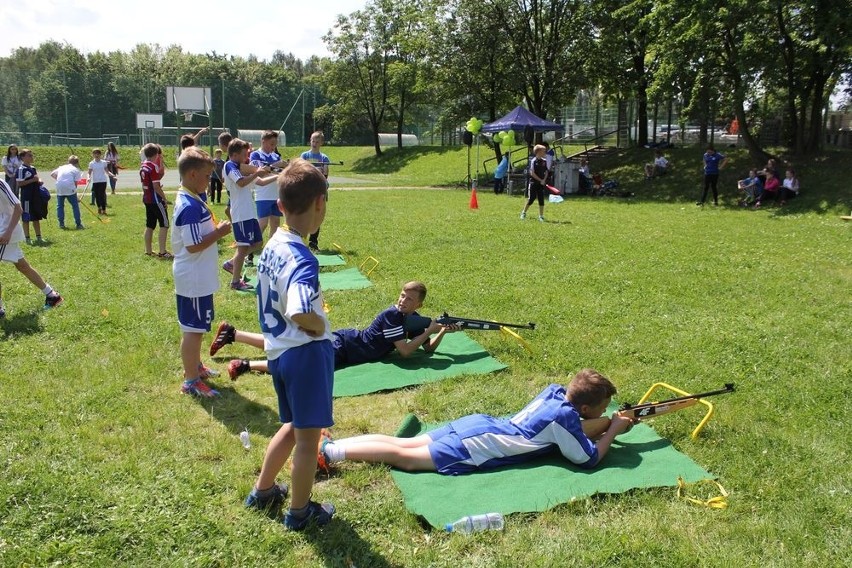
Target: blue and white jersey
[267,192]
[378,339]
[8,201]
[242,202]
[316,158]
[548,420]
[712,161]
[287,284]
[196,274]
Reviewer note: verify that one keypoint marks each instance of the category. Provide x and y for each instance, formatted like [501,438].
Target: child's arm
[245,180]
[406,348]
[266,180]
[432,344]
[6,236]
[310,323]
[618,425]
[223,229]
[158,189]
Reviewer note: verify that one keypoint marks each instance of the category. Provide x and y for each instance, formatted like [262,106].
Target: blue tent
[518,119]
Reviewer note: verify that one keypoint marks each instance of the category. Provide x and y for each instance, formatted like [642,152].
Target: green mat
[349,279]
[330,260]
[637,459]
[457,354]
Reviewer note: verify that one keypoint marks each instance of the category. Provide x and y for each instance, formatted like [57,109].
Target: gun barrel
[729,387]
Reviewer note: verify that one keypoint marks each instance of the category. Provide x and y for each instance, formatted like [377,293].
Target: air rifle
[414,323]
[649,409]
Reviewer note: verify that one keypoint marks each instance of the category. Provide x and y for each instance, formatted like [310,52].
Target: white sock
[334,452]
[47,290]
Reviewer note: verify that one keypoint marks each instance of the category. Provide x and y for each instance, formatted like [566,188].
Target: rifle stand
[366,260]
[506,331]
[709,405]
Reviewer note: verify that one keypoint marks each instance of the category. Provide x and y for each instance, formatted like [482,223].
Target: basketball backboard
[196,99]
[149,120]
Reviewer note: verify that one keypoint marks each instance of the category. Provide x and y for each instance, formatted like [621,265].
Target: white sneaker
[541,219]
[523,215]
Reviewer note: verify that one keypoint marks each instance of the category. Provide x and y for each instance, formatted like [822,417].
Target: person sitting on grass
[770,189]
[11,235]
[658,168]
[565,418]
[752,186]
[353,346]
[789,187]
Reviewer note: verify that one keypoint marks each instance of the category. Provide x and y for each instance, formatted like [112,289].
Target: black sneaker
[319,514]
[52,300]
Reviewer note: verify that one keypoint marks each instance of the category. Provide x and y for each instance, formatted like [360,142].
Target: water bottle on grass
[476,523]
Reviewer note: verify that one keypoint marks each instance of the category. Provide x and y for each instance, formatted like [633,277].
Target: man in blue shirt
[713,161]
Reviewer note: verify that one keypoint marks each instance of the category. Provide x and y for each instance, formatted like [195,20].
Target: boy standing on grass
[155,201]
[564,418]
[196,256]
[321,161]
[246,228]
[34,207]
[99,174]
[66,177]
[297,340]
[11,236]
[538,176]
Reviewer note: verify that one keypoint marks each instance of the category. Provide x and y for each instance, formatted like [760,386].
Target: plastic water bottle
[244,438]
[476,523]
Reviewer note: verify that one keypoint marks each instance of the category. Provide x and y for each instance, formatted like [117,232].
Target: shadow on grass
[339,545]
[26,323]
[394,159]
[236,412]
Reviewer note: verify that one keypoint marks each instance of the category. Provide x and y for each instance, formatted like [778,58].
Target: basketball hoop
[187,116]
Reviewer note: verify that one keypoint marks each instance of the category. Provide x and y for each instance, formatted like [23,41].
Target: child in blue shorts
[480,442]
[195,267]
[297,340]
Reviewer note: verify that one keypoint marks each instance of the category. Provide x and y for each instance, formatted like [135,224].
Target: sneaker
[249,260]
[228,267]
[271,501]
[198,387]
[207,372]
[757,205]
[314,247]
[318,514]
[225,335]
[52,300]
[541,219]
[63,227]
[241,286]
[2,312]
[28,241]
[523,215]
[238,367]
[323,463]
[699,203]
[80,227]
[39,241]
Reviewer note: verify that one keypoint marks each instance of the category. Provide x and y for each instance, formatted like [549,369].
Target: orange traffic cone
[474,204]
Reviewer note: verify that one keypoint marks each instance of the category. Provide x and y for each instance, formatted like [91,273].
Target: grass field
[104,462]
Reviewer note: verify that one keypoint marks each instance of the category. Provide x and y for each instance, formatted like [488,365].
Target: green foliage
[106,463]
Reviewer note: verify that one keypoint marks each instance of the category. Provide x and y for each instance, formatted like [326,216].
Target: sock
[188,382]
[334,452]
[47,290]
[265,492]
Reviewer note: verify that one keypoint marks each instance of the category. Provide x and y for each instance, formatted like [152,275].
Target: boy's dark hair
[150,150]
[299,185]
[236,146]
[416,286]
[590,388]
[73,160]
[186,141]
[193,158]
[267,134]
[225,139]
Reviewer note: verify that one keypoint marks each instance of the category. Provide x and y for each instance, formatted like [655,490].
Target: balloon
[509,138]
[474,124]
[497,138]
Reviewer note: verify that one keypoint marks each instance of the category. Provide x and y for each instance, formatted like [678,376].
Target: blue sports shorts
[247,233]
[195,314]
[267,209]
[303,378]
[448,452]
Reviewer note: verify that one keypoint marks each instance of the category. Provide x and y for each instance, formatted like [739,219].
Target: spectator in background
[500,173]
[66,177]
[789,187]
[713,161]
[659,167]
[111,158]
[770,188]
[752,186]
[11,163]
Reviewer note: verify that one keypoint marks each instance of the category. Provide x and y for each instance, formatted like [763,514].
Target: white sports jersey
[242,202]
[287,284]
[267,192]
[196,274]
[99,169]
[66,179]
[7,209]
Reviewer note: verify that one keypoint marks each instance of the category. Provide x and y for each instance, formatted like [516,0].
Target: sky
[291,26]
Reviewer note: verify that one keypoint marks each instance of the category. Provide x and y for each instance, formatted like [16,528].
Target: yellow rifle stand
[510,333]
[709,405]
[338,247]
[366,260]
